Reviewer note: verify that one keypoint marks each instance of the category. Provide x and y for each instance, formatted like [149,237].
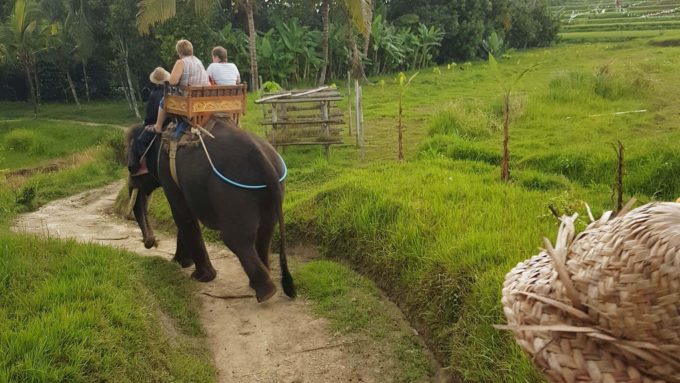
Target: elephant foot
[184,262]
[150,242]
[204,275]
[265,292]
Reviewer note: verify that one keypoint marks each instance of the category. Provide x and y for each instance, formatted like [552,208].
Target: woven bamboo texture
[603,306]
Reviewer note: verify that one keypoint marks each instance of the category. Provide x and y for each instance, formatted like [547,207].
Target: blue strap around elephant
[238,184]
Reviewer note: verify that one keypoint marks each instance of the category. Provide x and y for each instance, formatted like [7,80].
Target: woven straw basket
[603,306]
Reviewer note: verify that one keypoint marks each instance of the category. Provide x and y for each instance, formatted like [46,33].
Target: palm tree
[59,47]
[81,33]
[18,36]
[152,12]
[360,14]
[252,44]
[325,11]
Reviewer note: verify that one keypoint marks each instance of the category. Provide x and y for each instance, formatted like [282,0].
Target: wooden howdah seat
[199,103]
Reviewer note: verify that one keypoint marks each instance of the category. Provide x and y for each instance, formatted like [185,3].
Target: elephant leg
[182,254]
[263,241]
[258,274]
[190,237]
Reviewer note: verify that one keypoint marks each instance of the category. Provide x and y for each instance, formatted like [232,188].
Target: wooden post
[349,102]
[275,118]
[359,129]
[325,126]
[619,177]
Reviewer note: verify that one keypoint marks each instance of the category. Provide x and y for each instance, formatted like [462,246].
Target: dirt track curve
[277,341]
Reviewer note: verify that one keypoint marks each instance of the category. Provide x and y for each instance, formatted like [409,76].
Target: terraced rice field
[600,21]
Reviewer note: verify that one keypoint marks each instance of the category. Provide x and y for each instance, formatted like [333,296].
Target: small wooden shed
[303,117]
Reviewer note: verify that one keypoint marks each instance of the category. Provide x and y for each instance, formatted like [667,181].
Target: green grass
[439,238]
[25,143]
[101,112]
[612,36]
[85,313]
[357,310]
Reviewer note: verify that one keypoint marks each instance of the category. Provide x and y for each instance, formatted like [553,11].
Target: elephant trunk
[139,204]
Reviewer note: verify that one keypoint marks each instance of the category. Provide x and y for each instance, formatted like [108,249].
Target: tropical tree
[325,18]
[252,44]
[152,12]
[81,34]
[430,40]
[301,43]
[361,15]
[19,38]
[60,49]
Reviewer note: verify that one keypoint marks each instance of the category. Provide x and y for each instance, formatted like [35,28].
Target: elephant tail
[286,278]
[276,189]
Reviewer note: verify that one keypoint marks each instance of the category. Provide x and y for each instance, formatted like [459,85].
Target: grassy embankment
[80,313]
[440,231]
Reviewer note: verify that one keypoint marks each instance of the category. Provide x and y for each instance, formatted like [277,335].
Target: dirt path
[278,341]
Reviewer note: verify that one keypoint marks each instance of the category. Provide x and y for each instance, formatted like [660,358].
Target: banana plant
[507,86]
[403,85]
[430,40]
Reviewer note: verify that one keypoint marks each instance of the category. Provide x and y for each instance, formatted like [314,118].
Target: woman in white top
[220,71]
[188,70]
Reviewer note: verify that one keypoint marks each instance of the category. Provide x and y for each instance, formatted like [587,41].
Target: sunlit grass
[83,313]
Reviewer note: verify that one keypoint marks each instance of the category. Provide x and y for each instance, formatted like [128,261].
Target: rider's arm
[176,73]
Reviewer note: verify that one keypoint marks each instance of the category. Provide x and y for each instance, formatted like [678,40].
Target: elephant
[245,218]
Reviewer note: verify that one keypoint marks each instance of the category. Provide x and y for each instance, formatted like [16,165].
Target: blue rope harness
[238,184]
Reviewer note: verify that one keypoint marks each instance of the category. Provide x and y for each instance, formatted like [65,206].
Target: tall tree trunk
[126,93]
[36,83]
[132,90]
[87,85]
[73,88]
[357,66]
[29,79]
[252,35]
[123,50]
[325,11]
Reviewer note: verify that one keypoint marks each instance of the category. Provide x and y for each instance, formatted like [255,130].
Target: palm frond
[361,13]
[203,7]
[151,12]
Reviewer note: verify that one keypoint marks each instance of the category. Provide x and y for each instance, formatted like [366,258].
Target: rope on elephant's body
[147,148]
[232,182]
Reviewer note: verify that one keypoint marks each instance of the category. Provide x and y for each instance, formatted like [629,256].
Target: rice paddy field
[605,21]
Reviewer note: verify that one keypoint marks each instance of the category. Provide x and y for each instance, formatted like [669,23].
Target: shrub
[468,122]
[25,141]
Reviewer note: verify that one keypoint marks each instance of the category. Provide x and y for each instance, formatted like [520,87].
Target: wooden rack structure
[303,117]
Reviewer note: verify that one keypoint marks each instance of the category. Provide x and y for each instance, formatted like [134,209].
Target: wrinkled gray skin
[244,218]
